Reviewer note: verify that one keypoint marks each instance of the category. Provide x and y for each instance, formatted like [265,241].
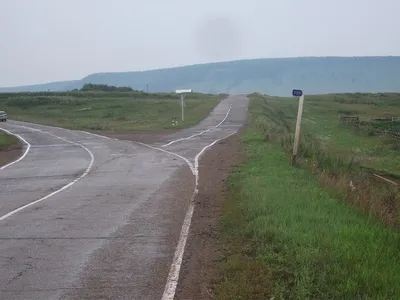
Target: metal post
[182,107]
[297,133]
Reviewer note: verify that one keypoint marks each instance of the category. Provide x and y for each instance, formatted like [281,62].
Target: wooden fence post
[297,133]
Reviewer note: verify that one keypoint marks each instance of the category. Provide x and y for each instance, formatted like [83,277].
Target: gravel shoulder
[202,252]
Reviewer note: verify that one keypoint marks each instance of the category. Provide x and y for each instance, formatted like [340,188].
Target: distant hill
[52,86]
[273,76]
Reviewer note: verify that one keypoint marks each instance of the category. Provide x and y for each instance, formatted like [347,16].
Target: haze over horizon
[53,41]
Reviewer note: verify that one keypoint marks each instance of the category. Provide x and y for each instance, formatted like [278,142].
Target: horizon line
[198,64]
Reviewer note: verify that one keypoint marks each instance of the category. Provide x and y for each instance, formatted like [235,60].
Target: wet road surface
[88,217]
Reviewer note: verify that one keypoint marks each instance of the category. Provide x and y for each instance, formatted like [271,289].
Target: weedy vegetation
[324,229]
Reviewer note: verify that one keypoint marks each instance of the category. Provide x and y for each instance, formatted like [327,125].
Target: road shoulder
[202,253]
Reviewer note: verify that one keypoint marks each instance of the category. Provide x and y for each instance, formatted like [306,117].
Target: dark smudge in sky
[218,38]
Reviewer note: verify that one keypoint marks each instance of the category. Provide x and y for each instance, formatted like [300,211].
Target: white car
[3,116]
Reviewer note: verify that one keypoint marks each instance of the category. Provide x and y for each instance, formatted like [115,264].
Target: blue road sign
[297,93]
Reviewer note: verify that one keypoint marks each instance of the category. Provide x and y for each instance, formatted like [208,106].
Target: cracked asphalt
[112,233]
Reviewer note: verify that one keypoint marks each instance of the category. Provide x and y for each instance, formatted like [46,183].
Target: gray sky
[51,40]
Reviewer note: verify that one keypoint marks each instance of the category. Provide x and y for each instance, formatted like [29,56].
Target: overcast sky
[51,40]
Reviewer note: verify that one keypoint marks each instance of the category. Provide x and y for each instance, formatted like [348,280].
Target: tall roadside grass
[286,237]
[339,170]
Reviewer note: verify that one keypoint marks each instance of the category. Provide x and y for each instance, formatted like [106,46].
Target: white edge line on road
[202,132]
[65,145]
[23,155]
[94,134]
[173,275]
[61,189]
[171,153]
[66,129]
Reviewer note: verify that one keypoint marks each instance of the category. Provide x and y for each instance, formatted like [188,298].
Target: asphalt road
[88,217]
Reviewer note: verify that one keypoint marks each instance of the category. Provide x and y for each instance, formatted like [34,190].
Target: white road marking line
[94,134]
[171,153]
[88,142]
[40,125]
[66,129]
[196,159]
[202,132]
[173,275]
[61,189]
[51,145]
[23,155]
[64,145]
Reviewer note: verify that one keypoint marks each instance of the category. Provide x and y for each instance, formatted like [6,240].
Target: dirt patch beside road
[10,153]
[202,252]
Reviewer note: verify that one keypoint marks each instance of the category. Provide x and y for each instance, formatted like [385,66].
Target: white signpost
[183,107]
[182,92]
[297,93]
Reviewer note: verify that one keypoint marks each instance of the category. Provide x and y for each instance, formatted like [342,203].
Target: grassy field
[285,236]
[343,157]
[107,111]
[7,140]
[321,124]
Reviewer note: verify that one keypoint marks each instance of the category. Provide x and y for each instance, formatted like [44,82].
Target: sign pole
[182,107]
[298,125]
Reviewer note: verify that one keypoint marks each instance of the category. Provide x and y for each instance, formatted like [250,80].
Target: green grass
[389,126]
[7,140]
[340,154]
[107,111]
[285,237]
[321,123]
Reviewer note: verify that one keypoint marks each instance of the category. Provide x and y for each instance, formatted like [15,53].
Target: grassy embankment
[107,111]
[9,146]
[7,141]
[303,232]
